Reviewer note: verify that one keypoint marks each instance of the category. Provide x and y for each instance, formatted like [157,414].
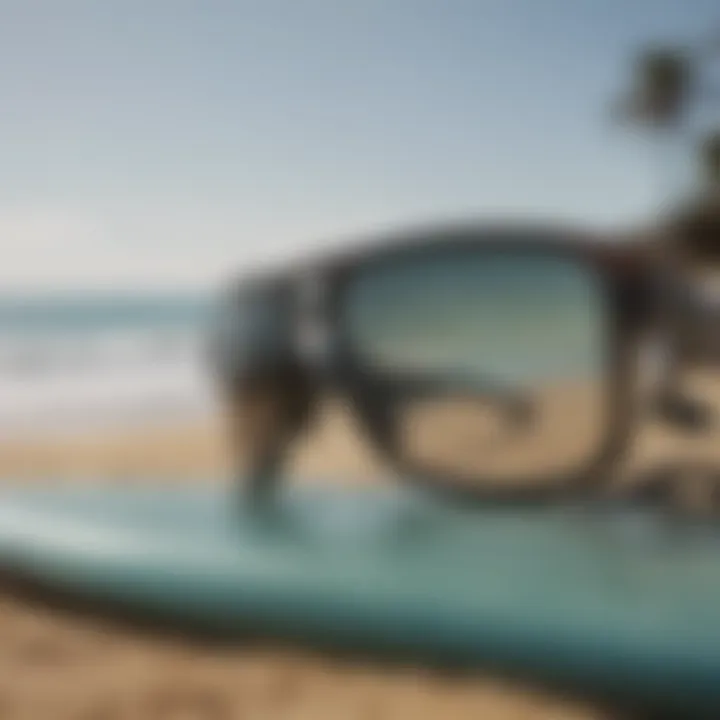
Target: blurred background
[151,150]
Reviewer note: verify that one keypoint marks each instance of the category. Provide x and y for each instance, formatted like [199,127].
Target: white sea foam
[65,383]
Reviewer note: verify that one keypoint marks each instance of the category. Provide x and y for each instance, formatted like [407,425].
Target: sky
[169,142]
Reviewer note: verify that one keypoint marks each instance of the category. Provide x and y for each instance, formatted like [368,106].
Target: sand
[56,665]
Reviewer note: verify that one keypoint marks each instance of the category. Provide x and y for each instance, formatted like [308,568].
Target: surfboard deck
[610,602]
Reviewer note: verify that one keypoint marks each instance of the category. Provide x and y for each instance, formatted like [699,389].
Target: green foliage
[663,83]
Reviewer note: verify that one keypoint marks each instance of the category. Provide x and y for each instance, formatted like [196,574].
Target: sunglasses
[485,363]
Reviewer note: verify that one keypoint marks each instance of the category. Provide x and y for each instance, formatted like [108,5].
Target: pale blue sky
[172,140]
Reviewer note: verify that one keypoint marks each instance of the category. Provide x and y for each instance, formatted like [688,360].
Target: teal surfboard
[613,603]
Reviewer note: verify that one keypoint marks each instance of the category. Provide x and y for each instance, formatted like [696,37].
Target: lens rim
[619,273]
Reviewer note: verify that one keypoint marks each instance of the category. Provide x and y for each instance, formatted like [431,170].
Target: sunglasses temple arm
[266,473]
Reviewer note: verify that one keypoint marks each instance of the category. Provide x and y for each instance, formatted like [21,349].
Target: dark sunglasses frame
[312,301]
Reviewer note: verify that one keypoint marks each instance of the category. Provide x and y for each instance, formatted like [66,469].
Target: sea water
[88,361]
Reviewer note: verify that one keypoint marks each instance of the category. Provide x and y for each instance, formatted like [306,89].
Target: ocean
[90,361]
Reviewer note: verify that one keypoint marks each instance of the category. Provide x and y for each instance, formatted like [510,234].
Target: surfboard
[612,603]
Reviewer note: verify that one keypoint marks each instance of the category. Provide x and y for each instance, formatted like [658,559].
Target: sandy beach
[54,665]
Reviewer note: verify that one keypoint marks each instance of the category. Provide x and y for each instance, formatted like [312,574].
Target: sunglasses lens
[495,362]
